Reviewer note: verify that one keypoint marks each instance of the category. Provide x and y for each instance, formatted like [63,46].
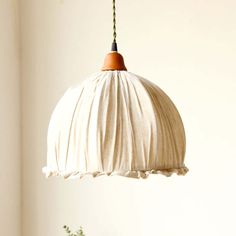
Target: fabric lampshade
[115,123]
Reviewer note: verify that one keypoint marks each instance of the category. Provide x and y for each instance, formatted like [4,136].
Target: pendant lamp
[115,123]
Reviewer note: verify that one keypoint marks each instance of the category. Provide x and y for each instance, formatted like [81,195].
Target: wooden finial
[113,61]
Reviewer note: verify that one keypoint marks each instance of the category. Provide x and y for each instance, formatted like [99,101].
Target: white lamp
[115,123]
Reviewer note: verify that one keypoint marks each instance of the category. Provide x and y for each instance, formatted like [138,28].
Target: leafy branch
[76,233]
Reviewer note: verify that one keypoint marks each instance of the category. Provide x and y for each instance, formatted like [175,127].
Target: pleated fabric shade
[115,123]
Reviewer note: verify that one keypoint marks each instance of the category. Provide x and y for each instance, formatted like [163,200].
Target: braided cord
[114,20]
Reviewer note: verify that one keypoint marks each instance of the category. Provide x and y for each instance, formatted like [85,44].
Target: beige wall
[10,152]
[188,48]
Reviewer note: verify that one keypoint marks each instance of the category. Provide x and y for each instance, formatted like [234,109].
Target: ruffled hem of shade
[132,174]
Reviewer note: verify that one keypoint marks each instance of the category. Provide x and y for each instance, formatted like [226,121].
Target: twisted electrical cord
[114,44]
[114,20]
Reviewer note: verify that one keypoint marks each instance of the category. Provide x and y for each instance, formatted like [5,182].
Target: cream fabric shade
[115,123]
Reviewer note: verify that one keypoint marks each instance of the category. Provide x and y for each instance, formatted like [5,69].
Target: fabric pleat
[115,123]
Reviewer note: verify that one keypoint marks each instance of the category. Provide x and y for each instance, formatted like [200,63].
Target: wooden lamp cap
[114,61]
